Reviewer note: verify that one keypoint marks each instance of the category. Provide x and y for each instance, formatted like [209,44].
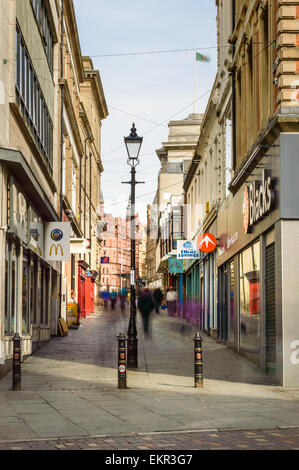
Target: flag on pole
[202,58]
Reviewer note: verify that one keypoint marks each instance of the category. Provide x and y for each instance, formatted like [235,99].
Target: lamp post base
[132,356]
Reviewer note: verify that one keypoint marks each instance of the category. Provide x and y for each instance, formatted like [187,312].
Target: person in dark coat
[146,305]
[158,297]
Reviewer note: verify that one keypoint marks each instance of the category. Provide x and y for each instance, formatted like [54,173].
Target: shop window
[31,102]
[25,296]
[250,314]
[11,293]
[73,272]
[232,301]
[47,296]
[6,304]
[42,18]
[33,287]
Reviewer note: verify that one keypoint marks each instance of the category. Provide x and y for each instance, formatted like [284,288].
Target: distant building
[116,252]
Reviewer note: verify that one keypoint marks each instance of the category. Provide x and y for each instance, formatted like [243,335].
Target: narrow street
[70,392]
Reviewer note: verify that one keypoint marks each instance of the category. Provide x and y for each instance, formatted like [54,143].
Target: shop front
[200,301]
[258,264]
[30,284]
[86,289]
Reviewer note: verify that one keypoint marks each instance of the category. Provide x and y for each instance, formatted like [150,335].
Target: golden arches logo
[56,248]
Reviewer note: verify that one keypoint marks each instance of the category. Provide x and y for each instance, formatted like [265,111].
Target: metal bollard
[122,363]
[17,360]
[198,364]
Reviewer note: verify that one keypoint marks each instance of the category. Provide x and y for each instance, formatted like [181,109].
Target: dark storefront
[30,283]
[254,313]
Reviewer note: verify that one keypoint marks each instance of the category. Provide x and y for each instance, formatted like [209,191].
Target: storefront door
[270,311]
[223,303]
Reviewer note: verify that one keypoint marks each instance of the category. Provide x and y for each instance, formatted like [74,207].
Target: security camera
[4,228]
[70,213]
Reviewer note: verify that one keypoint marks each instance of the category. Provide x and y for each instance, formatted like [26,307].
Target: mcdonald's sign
[56,248]
[57,241]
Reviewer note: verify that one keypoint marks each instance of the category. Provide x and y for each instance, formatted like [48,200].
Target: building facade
[29,172]
[206,184]
[116,253]
[166,217]
[40,153]
[257,225]
[83,107]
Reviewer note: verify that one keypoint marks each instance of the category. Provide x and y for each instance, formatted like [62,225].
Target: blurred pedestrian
[113,298]
[158,297]
[171,299]
[123,299]
[105,297]
[146,305]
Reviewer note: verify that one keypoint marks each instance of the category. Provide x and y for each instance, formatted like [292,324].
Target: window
[25,296]
[33,284]
[228,154]
[42,18]
[32,104]
[11,284]
[250,312]
[74,188]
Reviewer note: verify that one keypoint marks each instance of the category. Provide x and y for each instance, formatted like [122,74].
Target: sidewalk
[70,387]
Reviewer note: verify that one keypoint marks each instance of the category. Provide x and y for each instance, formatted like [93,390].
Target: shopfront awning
[20,170]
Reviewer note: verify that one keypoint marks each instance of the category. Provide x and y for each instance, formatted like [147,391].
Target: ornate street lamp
[133,145]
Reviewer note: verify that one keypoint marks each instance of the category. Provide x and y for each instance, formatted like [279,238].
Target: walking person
[123,299]
[113,298]
[171,299]
[146,305]
[158,297]
[105,297]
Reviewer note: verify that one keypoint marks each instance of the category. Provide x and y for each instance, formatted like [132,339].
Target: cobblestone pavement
[283,439]
[69,388]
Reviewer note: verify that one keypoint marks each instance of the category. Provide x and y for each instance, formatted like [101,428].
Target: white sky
[153,87]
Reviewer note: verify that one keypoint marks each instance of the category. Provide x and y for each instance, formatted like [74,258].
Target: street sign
[105,260]
[207,243]
[176,266]
[57,241]
[187,250]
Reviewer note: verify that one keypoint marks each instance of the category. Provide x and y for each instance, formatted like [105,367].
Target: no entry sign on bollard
[198,364]
[122,363]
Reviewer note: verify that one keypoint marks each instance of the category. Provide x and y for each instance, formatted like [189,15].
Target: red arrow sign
[207,243]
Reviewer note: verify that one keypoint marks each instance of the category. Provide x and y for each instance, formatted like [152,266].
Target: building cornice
[279,123]
[73,37]
[93,76]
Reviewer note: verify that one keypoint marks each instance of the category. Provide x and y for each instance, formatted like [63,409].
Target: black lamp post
[133,145]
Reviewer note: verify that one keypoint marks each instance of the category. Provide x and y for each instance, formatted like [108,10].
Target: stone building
[257,225]
[166,217]
[39,169]
[84,108]
[116,252]
[207,181]
[29,170]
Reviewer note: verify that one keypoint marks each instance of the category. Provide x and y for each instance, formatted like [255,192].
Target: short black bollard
[198,364]
[122,363]
[17,360]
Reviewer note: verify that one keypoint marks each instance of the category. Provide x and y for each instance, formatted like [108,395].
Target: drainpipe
[85,179]
[62,106]
[61,142]
[234,123]
[90,156]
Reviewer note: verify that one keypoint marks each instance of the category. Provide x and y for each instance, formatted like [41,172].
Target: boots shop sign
[258,201]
